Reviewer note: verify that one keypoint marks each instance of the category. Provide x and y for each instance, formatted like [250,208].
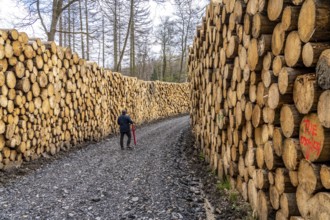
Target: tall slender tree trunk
[164,63]
[159,71]
[56,12]
[170,68]
[73,34]
[119,30]
[69,23]
[60,33]
[81,34]
[143,74]
[99,54]
[65,33]
[103,43]
[132,41]
[87,31]
[115,36]
[182,52]
[125,43]
[183,58]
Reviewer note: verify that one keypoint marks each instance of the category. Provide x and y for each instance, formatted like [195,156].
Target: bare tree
[165,36]
[132,39]
[115,32]
[186,20]
[142,32]
[81,29]
[87,30]
[48,12]
[61,34]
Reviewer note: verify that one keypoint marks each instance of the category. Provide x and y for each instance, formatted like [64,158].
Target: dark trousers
[122,134]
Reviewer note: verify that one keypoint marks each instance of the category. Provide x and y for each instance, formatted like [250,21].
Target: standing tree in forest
[165,37]
[186,20]
[48,12]
[118,33]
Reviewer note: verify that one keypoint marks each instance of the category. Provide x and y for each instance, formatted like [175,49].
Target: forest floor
[164,177]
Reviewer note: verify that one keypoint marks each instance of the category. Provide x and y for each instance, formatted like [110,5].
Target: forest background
[148,39]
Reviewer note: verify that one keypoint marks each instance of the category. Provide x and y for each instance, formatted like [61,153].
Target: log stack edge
[51,100]
[260,102]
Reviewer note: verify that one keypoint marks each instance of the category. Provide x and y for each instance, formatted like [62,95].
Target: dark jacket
[124,121]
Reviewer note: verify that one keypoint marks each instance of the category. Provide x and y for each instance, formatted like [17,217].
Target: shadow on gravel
[225,203]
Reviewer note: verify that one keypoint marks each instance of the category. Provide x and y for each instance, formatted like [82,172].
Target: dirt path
[101,181]
[162,178]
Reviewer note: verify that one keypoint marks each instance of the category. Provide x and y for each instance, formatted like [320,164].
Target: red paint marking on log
[310,128]
[312,146]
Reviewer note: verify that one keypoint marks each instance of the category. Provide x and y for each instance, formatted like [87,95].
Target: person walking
[124,121]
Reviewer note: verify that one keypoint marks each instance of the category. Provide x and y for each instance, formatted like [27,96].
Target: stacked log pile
[51,99]
[260,110]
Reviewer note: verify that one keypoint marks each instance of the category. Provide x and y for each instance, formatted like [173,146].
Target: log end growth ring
[303,93]
[306,20]
[323,109]
[287,121]
[292,49]
[278,39]
[274,9]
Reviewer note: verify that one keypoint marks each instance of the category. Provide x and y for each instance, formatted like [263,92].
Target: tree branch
[74,32]
[68,5]
[124,47]
[41,19]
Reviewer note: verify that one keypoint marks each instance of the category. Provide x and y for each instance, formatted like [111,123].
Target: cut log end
[314,141]
[323,70]
[292,51]
[306,21]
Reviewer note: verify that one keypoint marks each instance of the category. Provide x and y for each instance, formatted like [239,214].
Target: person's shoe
[122,148]
[129,148]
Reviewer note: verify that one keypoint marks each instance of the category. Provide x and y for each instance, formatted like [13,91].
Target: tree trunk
[73,35]
[103,43]
[61,34]
[69,23]
[57,10]
[132,41]
[81,29]
[164,62]
[125,43]
[87,31]
[115,37]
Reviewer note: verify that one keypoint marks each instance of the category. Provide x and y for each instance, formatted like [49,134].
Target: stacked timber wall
[260,109]
[51,99]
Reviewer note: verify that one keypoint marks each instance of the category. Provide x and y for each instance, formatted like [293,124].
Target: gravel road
[100,181]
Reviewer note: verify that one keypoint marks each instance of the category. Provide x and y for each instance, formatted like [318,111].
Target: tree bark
[61,34]
[124,46]
[323,70]
[87,30]
[69,25]
[115,36]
